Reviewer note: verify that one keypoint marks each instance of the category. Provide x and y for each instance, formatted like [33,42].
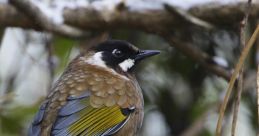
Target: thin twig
[233,79]
[240,79]
[257,79]
[51,65]
[237,102]
[188,18]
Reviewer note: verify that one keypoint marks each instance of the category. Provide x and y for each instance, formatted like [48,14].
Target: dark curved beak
[146,53]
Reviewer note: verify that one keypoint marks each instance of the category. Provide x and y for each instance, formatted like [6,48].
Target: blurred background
[182,94]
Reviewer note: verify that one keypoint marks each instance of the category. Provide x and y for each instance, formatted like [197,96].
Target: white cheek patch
[127,64]
[96,59]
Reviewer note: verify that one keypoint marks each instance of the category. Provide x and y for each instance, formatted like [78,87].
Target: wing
[78,117]
[35,128]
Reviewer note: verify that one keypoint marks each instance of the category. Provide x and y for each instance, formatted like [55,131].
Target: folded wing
[78,117]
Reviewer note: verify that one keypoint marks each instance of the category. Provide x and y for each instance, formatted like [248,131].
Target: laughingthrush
[97,95]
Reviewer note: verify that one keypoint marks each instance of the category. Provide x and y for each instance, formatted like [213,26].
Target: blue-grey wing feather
[34,129]
[71,107]
[67,116]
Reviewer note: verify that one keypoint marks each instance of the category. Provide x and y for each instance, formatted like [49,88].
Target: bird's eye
[117,53]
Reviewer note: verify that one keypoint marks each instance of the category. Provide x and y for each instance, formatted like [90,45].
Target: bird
[97,95]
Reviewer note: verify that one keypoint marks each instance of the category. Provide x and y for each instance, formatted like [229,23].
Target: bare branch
[156,19]
[188,18]
[9,16]
[92,19]
[225,15]
[35,13]
[201,57]
[240,79]
[237,103]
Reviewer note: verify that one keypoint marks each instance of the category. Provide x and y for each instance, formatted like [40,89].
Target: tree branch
[32,11]
[92,19]
[201,57]
[156,21]
[9,16]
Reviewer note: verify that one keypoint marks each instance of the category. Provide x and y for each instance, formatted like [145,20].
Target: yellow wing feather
[94,121]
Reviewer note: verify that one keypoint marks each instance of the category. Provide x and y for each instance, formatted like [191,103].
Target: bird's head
[118,55]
